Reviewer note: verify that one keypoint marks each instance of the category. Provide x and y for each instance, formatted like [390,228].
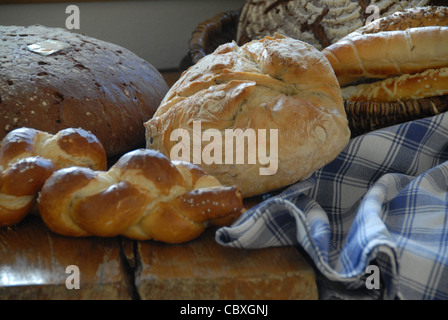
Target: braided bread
[29,156]
[143,196]
[278,85]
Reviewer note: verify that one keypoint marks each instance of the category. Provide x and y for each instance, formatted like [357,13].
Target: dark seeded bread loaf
[98,86]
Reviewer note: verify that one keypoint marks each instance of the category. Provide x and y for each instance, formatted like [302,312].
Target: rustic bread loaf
[28,157]
[403,43]
[398,57]
[276,85]
[142,196]
[98,86]
[317,22]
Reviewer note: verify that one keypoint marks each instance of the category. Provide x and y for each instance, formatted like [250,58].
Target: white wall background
[156,30]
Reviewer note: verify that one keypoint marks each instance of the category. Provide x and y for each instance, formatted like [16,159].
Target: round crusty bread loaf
[98,86]
[276,83]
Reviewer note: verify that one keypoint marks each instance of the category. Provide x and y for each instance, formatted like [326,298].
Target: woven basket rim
[208,29]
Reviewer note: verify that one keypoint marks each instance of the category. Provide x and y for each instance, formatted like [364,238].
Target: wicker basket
[363,116]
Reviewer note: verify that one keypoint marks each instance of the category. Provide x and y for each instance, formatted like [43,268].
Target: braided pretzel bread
[403,43]
[29,156]
[142,196]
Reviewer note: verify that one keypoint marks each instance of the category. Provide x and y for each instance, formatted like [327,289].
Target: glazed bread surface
[401,44]
[143,196]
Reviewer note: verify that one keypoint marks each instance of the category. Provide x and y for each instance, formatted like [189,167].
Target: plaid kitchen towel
[378,211]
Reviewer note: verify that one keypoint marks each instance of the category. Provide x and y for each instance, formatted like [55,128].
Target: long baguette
[388,53]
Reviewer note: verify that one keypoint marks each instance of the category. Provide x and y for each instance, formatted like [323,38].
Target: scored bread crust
[317,22]
[274,83]
[402,43]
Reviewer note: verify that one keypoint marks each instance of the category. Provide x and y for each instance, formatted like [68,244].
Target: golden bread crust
[143,196]
[276,83]
[405,53]
[28,157]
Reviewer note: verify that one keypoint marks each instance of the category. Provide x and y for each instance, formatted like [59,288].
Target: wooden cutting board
[34,265]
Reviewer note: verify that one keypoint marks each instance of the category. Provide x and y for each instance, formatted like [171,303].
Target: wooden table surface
[38,264]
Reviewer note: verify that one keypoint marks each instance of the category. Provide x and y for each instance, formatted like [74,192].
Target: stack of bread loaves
[390,57]
[69,105]
[244,120]
[394,69]
[398,57]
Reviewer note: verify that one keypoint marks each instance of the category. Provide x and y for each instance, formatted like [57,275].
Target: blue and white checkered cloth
[382,202]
